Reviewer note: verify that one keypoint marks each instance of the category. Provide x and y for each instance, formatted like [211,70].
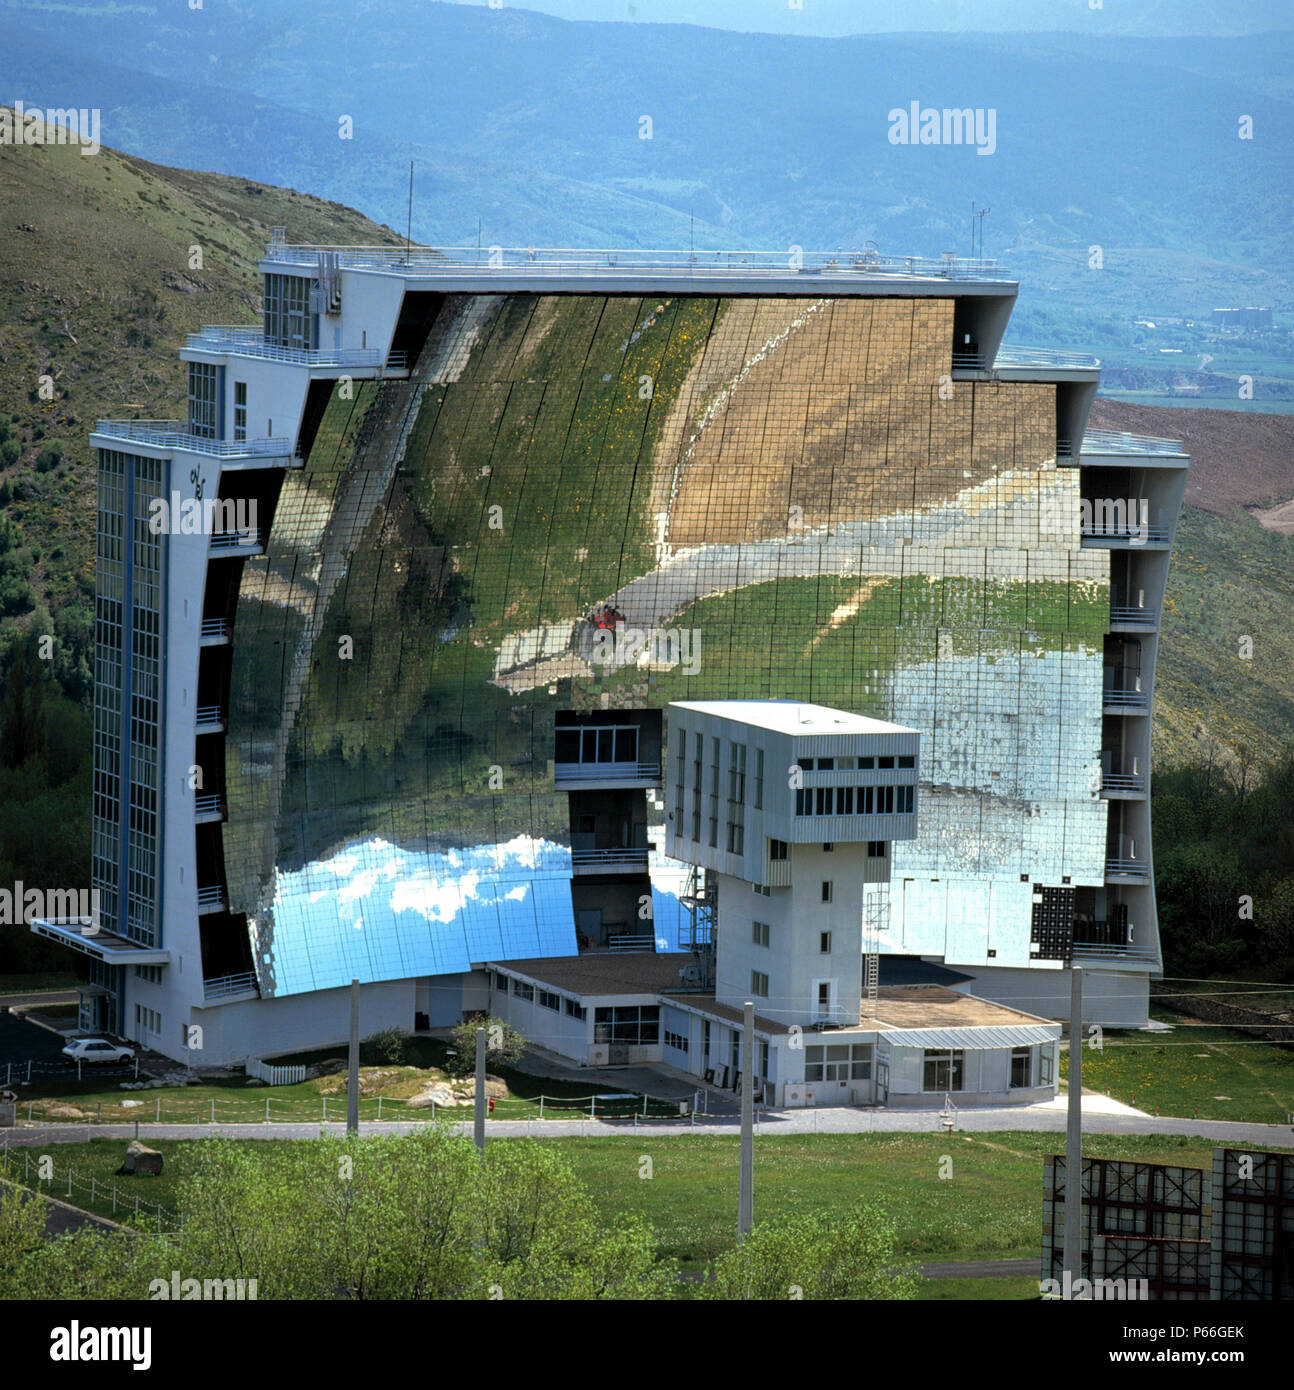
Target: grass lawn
[977,1290]
[989,1208]
[1214,1072]
[47,982]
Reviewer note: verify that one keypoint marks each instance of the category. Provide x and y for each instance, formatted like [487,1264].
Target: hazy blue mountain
[530,127]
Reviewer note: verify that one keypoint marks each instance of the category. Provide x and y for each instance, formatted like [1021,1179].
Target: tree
[503,1045]
[824,1255]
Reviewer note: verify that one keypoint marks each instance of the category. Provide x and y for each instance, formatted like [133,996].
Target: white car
[97,1050]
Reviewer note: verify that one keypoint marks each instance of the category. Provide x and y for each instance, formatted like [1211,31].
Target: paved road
[985,1269]
[62,1219]
[832,1121]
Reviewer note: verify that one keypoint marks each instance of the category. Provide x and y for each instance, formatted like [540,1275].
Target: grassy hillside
[99,282]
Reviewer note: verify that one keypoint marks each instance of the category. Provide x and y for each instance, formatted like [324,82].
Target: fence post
[267,1109]
[78,1069]
[114,1201]
[26,1165]
[69,1181]
[213,1110]
[136,1206]
[29,1112]
[98,1112]
[136,1066]
[541,1105]
[158,1113]
[644,1107]
[325,1112]
[379,1107]
[593,1107]
[93,1196]
[29,1071]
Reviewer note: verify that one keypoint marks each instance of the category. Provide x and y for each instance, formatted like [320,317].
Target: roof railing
[1121,442]
[560,261]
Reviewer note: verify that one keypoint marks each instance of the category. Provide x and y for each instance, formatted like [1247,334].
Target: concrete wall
[1112,998]
[297,1023]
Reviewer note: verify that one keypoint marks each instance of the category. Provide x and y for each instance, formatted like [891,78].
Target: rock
[140,1159]
[131,1104]
[254,1081]
[438,1093]
[64,1112]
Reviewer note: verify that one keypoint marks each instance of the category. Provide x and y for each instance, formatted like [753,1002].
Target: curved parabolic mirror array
[777,494]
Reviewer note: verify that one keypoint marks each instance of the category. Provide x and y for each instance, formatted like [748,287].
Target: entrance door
[882,1083]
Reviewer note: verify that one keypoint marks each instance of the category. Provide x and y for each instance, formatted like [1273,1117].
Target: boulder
[64,1112]
[438,1093]
[140,1159]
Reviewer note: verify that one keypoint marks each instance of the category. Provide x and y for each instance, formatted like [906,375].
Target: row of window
[678,1041]
[635,1024]
[855,801]
[838,1062]
[850,764]
[147,1020]
[151,973]
[945,1071]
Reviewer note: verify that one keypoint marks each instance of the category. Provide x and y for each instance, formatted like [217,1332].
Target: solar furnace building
[401,714]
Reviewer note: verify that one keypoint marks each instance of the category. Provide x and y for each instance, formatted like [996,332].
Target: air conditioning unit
[796,1094]
[599,1056]
[690,974]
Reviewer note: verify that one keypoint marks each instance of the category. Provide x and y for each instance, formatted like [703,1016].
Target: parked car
[97,1050]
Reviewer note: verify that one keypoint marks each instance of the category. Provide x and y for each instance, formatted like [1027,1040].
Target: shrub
[387,1048]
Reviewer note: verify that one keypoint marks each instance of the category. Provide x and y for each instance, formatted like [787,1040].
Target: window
[151,973]
[876,849]
[838,1062]
[574,1010]
[826,890]
[824,943]
[824,997]
[523,990]
[884,763]
[147,1020]
[907,762]
[828,847]
[763,1060]
[904,800]
[943,1071]
[826,764]
[759,933]
[597,744]
[884,801]
[632,1024]
[759,984]
[866,764]
[550,1001]
[678,1041]
[288,320]
[204,410]
[705,1041]
[759,779]
[1021,1067]
[1046,1063]
[762,889]
[736,839]
[240,411]
[777,849]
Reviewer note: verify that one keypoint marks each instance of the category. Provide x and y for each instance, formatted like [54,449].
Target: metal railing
[1016,356]
[237,540]
[208,714]
[1128,952]
[452,261]
[629,855]
[213,627]
[1141,617]
[224,985]
[1127,868]
[175,434]
[612,772]
[244,343]
[1134,535]
[631,943]
[1125,699]
[211,896]
[1123,782]
[209,803]
[1121,442]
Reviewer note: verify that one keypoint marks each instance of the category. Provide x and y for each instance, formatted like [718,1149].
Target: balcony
[208,808]
[1135,619]
[1120,698]
[1123,786]
[1048,363]
[1110,537]
[175,435]
[227,986]
[212,899]
[237,542]
[626,859]
[213,632]
[593,775]
[207,719]
[1127,871]
[237,340]
[1121,442]
[1114,955]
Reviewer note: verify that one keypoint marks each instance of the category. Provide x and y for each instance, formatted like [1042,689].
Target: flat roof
[566,270]
[933,1006]
[792,717]
[603,972]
